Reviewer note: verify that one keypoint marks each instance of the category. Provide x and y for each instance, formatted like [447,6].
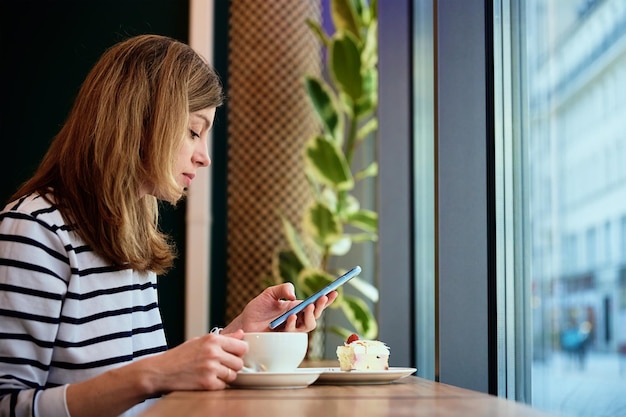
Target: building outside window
[568,60]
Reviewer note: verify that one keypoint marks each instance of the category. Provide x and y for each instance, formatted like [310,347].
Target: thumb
[238,334]
[283,291]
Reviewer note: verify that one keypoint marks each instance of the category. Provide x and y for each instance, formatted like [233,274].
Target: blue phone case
[330,287]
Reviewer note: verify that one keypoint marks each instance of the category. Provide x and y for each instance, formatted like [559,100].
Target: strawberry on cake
[363,355]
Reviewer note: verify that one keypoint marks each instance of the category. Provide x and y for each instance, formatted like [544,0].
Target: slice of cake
[363,355]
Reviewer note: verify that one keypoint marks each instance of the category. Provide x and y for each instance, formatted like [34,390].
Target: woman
[80,328]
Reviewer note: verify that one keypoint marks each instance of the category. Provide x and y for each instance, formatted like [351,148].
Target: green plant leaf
[346,104]
[349,205]
[369,56]
[370,171]
[364,219]
[363,237]
[329,197]
[367,129]
[316,28]
[360,316]
[345,65]
[295,242]
[374,9]
[288,265]
[363,11]
[345,17]
[342,332]
[370,84]
[368,101]
[342,246]
[312,280]
[324,103]
[365,288]
[328,164]
[322,224]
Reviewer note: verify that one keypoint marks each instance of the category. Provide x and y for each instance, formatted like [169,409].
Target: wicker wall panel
[269,118]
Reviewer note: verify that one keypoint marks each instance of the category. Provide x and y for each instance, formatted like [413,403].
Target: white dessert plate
[335,376]
[300,378]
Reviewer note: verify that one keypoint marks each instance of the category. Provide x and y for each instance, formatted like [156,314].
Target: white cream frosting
[372,347]
[363,355]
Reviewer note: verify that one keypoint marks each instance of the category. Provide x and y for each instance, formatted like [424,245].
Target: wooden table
[410,396]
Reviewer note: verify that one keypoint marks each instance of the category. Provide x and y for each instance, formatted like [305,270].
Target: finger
[284,291]
[232,362]
[230,352]
[237,334]
[229,375]
[332,296]
[233,345]
[290,324]
[303,322]
[309,318]
[320,305]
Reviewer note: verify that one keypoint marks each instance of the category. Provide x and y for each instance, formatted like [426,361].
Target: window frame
[465,319]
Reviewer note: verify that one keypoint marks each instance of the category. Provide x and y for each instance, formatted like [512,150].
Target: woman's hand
[273,302]
[208,362]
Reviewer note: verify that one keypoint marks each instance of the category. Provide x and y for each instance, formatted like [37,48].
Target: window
[564,69]
[560,197]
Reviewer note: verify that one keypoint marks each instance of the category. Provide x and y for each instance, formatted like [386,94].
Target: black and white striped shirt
[65,313]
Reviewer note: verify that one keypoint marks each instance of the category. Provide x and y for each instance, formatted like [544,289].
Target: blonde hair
[125,128]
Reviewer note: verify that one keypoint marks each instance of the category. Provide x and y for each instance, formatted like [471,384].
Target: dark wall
[47,47]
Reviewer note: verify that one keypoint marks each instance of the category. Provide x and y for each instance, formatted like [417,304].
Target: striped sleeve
[34,274]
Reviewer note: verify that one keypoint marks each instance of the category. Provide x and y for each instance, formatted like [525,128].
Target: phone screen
[330,287]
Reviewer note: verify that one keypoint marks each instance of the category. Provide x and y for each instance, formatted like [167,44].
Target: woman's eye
[194,135]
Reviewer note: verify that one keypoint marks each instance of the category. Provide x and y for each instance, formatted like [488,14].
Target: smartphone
[330,287]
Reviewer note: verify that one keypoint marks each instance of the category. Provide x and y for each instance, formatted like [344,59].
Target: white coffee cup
[274,351]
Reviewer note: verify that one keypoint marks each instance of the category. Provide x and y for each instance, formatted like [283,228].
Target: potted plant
[345,102]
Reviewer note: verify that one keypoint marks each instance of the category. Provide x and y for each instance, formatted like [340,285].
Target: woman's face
[193,152]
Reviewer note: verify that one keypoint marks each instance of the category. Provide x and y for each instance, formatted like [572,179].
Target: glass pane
[572,83]
[423,156]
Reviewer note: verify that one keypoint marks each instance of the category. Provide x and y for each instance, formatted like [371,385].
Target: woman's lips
[189,178]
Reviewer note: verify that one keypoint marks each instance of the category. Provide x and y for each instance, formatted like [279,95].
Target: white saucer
[300,378]
[336,376]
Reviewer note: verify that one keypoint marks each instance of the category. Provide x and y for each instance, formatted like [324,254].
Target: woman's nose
[201,156]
